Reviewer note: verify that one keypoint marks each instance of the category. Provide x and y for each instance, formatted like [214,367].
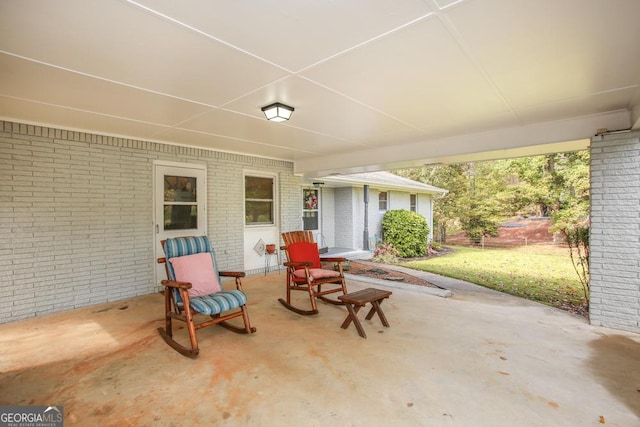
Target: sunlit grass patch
[543,274]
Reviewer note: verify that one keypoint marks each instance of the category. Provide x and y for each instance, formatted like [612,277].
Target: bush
[385,252]
[407,231]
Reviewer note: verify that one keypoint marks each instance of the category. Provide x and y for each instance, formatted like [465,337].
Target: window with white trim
[413,202]
[383,200]
[259,200]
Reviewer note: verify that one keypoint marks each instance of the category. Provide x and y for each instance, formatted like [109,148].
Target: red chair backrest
[304,252]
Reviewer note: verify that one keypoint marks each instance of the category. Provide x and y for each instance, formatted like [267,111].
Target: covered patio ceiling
[376,84]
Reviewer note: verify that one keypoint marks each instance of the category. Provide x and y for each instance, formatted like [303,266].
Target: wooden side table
[356,300]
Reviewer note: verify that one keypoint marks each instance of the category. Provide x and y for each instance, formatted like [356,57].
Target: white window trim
[387,201]
[276,204]
[415,208]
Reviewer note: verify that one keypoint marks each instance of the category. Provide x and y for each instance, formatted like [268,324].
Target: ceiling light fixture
[277,112]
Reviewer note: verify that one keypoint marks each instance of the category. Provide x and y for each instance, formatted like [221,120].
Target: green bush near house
[407,231]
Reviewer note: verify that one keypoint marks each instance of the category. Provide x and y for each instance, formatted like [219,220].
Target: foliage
[451,178]
[476,224]
[480,211]
[407,231]
[555,185]
[516,271]
[528,186]
[435,246]
[385,252]
[470,202]
[576,234]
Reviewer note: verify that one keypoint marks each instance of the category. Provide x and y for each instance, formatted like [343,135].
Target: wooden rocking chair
[194,287]
[305,272]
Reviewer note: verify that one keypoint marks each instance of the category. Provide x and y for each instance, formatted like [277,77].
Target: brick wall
[290,203]
[615,232]
[343,199]
[76,215]
[327,217]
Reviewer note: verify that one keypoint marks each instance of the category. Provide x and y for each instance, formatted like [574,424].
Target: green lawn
[543,274]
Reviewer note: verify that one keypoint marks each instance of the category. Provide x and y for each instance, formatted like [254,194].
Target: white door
[311,213]
[180,195]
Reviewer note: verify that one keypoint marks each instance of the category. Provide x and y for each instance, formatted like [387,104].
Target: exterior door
[180,195]
[311,213]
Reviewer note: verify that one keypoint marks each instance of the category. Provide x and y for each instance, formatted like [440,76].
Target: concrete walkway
[475,358]
[447,285]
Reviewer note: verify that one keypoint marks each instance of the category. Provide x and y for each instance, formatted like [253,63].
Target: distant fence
[489,242]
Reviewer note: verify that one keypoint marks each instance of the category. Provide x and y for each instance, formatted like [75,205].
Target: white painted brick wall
[328,219]
[290,203]
[343,199]
[76,213]
[615,232]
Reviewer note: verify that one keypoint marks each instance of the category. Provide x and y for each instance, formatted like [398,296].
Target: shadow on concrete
[615,363]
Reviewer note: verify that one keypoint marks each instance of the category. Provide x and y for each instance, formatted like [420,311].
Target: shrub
[385,252]
[407,231]
[475,226]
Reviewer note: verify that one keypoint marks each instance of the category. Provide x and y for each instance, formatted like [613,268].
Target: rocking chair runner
[194,287]
[305,272]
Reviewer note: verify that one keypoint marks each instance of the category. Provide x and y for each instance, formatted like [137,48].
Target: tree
[450,177]
[571,219]
[555,185]
[469,204]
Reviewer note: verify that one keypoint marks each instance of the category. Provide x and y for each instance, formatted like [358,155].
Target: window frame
[413,202]
[383,200]
[311,212]
[272,200]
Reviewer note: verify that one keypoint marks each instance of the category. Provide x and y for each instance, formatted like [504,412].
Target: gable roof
[384,181]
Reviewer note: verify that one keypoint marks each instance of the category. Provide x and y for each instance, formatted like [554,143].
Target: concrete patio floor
[478,358]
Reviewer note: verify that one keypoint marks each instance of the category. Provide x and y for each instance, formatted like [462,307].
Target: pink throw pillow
[196,269]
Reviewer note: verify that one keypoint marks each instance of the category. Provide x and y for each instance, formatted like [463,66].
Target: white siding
[425,208]
[399,200]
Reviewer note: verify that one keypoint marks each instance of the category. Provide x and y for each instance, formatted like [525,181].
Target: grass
[539,273]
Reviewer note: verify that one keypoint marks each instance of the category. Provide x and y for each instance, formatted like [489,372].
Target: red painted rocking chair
[305,272]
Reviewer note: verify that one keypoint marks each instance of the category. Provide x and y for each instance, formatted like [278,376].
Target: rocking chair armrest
[333,259]
[232,273]
[176,284]
[298,264]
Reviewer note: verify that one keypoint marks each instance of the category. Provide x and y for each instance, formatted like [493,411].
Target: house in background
[336,210]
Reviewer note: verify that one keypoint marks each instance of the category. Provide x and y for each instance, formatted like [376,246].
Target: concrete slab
[473,359]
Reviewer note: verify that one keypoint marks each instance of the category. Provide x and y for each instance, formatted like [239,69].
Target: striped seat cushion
[219,302]
[211,304]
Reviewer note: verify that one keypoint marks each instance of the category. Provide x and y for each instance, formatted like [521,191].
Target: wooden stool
[356,300]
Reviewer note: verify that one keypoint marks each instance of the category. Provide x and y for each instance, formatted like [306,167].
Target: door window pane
[180,203]
[310,214]
[310,220]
